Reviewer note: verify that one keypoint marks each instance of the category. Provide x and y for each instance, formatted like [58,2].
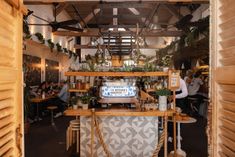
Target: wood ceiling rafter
[61,7]
[150,17]
[126,33]
[49,2]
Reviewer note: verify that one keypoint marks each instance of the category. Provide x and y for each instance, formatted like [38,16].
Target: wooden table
[179,151]
[39,100]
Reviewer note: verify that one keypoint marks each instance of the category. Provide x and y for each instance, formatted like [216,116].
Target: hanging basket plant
[40,38]
[59,47]
[51,44]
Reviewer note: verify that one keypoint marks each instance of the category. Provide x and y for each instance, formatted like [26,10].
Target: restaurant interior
[119,78]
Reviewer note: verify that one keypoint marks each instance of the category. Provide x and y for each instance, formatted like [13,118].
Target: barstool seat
[73,134]
[52,108]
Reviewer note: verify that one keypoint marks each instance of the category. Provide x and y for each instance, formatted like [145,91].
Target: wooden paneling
[11,77]
[224,81]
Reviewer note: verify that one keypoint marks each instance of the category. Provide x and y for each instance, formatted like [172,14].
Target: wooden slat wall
[224,82]
[10,78]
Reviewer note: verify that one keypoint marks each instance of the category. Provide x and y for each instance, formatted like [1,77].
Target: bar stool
[52,108]
[73,134]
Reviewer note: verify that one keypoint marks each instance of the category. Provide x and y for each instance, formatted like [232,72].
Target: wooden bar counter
[117,112]
[124,132]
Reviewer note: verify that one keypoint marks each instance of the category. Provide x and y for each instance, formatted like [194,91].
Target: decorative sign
[174,80]
[118,91]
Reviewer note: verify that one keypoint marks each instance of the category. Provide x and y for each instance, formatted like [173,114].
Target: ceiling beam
[44,2]
[173,10]
[123,5]
[115,20]
[90,16]
[76,46]
[125,33]
[123,16]
[119,26]
[150,17]
[82,21]
[60,8]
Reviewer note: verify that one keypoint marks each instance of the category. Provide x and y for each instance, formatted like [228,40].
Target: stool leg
[78,141]
[67,139]
[52,118]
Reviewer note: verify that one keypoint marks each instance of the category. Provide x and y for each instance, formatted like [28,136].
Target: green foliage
[163,92]
[51,44]
[85,99]
[65,50]
[58,47]
[40,37]
[74,100]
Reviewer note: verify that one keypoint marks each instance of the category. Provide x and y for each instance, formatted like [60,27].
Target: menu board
[174,80]
[118,91]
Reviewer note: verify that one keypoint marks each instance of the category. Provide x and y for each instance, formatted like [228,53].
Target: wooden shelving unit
[130,74]
[137,112]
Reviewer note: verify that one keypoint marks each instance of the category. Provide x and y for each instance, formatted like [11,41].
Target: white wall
[42,51]
[46,12]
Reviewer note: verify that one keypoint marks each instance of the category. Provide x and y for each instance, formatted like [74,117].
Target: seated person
[60,100]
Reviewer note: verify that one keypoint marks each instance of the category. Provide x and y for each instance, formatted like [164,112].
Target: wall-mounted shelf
[78,90]
[130,74]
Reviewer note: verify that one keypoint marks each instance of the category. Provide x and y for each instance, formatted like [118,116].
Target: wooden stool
[73,134]
[52,108]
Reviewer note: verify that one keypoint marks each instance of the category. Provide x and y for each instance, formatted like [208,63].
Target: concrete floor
[43,141]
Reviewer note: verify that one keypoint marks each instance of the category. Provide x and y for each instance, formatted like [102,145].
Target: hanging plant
[65,50]
[51,44]
[59,47]
[40,38]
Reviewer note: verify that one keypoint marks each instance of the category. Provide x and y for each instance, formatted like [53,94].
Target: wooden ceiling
[98,16]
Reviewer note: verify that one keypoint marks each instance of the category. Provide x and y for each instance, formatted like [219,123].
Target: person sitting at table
[193,88]
[61,100]
[42,88]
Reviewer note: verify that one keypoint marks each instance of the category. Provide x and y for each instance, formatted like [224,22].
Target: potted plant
[74,103]
[162,99]
[51,44]
[85,99]
[40,38]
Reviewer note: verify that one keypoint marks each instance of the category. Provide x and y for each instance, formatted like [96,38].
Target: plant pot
[75,107]
[85,106]
[165,69]
[162,103]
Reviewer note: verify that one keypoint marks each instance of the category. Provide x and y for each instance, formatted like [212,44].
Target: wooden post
[92,130]
[165,141]
[174,124]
